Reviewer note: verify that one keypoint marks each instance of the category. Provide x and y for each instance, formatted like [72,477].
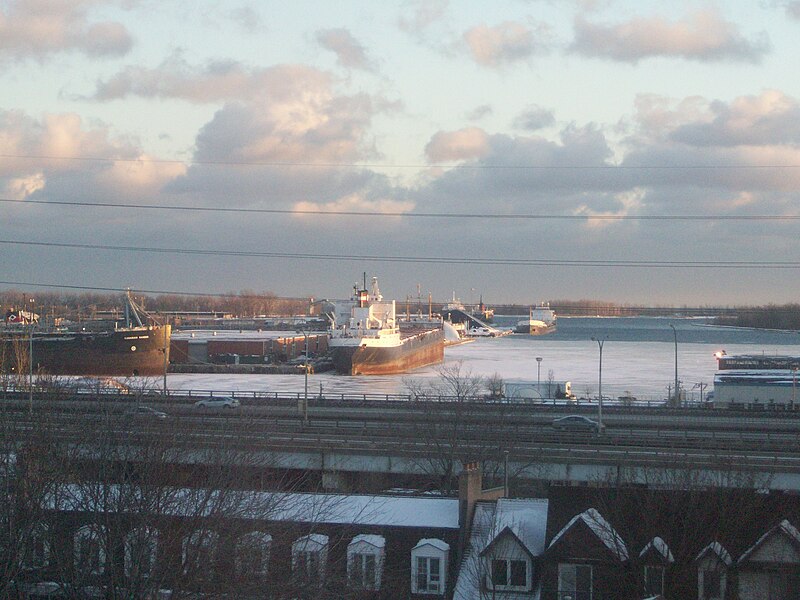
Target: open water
[638,358]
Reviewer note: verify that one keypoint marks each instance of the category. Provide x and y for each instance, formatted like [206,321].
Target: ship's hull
[122,352]
[535,328]
[414,351]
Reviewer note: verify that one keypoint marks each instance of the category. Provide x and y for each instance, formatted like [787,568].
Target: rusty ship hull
[125,352]
[415,350]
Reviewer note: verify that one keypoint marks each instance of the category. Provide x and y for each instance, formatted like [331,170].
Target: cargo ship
[541,320]
[365,337]
[134,349]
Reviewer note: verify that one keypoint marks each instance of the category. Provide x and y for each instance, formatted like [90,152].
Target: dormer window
[509,574]
[90,554]
[654,580]
[199,549]
[365,562]
[428,567]
[36,550]
[252,554]
[141,545]
[309,558]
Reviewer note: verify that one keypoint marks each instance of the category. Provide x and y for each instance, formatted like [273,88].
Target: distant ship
[365,337]
[541,320]
[131,350]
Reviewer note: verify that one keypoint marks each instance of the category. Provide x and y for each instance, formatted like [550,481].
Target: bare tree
[455,432]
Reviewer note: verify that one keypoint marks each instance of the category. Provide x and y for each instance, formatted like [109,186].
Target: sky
[640,152]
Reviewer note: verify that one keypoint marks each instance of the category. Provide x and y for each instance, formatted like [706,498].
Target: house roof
[438,544]
[378,541]
[717,550]
[784,528]
[601,528]
[659,546]
[526,520]
[390,511]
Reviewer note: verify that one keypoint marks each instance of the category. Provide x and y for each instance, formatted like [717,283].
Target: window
[252,554]
[198,552]
[365,561]
[509,573]
[309,555]
[654,580]
[36,550]
[361,571]
[574,582]
[712,584]
[90,556]
[429,575]
[429,560]
[783,586]
[140,552]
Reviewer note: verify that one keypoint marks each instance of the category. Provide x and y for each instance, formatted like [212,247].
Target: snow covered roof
[438,544]
[601,528]
[526,519]
[391,511]
[660,546]
[783,527]
[717,550]
[378,541]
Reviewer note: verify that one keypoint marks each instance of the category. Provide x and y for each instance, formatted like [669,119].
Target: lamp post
[600,342]
[676,389]
[303,404]
[30,357]
[538,372]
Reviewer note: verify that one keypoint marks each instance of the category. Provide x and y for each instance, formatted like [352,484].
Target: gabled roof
[601,528]
[718,550]
[526,520]
[377,541]
[660,546]
[438,544]
[783,528]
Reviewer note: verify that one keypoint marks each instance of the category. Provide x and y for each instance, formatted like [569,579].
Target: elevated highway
[349,437]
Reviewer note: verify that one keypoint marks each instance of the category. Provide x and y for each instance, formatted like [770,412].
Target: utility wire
[330,165]
[423,259]
[358,213]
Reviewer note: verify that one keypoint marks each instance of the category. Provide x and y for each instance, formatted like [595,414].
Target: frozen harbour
[638,357]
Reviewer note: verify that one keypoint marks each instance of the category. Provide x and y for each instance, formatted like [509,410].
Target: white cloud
[464,144]
[421,14]
[502,44]
[39,28]
[703,36]
[534,117]
[349,52]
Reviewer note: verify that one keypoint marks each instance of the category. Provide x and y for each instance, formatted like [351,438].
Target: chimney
[470,481]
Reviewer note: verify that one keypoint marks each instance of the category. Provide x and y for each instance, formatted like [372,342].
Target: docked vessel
[541,320]
[365,337]
[134,349]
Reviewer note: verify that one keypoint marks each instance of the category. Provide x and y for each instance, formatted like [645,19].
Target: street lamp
[30,356]
[303,404]
[600,342]
[538,372]
[677,391]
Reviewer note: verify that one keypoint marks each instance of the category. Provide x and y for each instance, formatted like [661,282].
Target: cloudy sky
[630,151]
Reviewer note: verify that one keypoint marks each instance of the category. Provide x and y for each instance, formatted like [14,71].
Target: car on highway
[576,423]
[218,402]
[145,412]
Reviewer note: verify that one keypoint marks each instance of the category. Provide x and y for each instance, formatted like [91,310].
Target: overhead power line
[424,259]
[435,215]
[358,165]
